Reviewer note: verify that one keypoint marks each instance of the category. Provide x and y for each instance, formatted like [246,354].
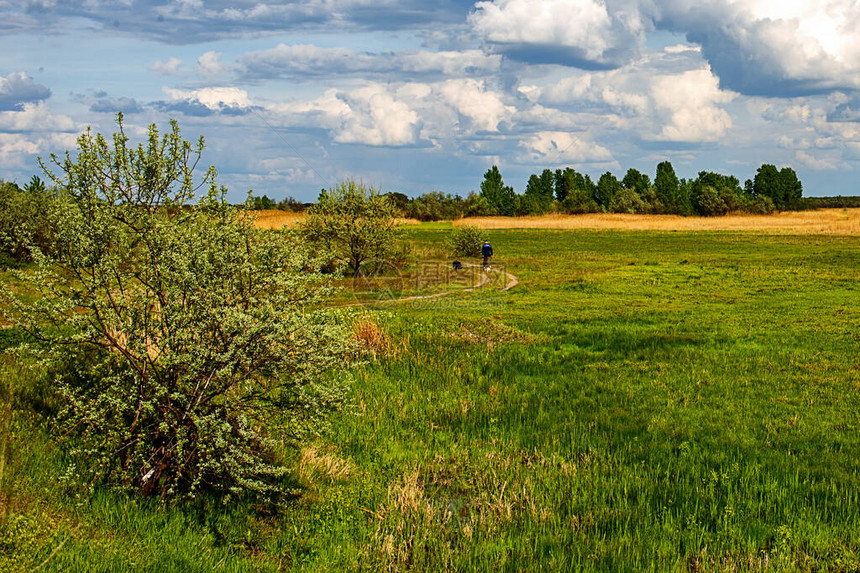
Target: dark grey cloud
[17,89]
[196,21]
[755,70]
[775,50]
[308,61]
[537,54]
[846,112]
[409,13]
[113,105]
[189,108]
[194,108]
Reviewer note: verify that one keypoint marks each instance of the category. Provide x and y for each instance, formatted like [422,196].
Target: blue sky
[416,96]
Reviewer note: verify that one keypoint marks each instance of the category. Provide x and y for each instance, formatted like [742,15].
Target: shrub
[475,205]
[23,220]
[627,201]
[762,205]
[652,204]
[466,241]
[711,202]
[352,223]
[579,202]
[206,345]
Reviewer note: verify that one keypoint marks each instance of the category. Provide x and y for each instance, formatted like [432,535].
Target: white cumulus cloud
[213,98]
[556,147]
[688,106]
[32,131]
[581,32]
[36,117]
[471,99]
[172,67]
[376,118]
[209,65]
[369,115]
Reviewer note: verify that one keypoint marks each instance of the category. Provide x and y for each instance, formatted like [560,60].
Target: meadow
[643,400]
[818,221]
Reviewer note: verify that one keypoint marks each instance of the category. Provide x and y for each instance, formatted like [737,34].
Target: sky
[415,96]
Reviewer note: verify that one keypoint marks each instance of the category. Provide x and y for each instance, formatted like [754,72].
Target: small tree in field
[353,224]
[198,343]
[466,241]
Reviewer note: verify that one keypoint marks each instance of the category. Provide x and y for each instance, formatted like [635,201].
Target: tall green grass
[640,402]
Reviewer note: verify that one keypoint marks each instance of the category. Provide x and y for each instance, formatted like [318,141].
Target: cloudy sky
[415,96]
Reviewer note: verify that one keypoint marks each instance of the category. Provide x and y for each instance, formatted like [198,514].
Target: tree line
[23,208]
[571,192]
[265,203]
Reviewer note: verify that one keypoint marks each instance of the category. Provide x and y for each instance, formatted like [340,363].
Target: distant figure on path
[486,252]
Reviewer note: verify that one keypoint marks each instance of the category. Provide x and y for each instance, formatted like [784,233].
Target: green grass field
[641,401]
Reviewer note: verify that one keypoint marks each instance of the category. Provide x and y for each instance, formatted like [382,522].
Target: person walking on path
[487,253]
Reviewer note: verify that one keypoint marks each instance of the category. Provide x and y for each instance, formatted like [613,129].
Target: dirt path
[510,282]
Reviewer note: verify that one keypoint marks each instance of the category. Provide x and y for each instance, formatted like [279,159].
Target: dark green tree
[436,206]
[709,185]
[667,189]
[792,187]
[500,198]
[538,196]
[563,183]
[35,186]
[400,201]
[782,186]
[636,181]
[767,183]
[24,222]
[290,204]
[607,186]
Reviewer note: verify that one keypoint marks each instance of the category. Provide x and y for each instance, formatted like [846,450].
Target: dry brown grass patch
[373,340]
[314,463]
[409,524]
[407,496]
[818,222]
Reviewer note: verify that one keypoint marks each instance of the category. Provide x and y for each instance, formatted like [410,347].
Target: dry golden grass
[822,221]
[274,219]
[373,340]
[314,463]
[404,221]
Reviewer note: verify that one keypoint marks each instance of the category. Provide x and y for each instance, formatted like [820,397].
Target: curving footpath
[510,283]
